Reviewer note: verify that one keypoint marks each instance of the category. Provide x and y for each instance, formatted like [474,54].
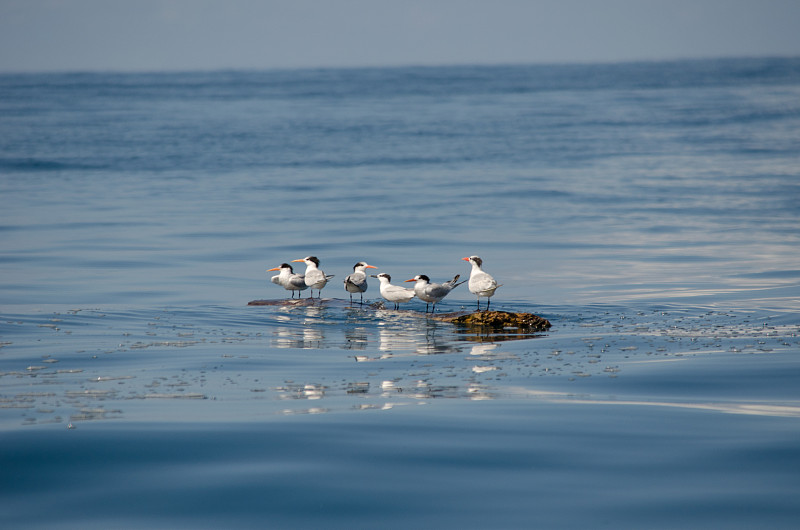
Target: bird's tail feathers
[455,283]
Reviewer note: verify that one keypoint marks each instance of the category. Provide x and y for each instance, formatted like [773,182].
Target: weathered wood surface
[483,320]
[291,301]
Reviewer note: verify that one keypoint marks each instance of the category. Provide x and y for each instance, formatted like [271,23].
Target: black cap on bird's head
[283,266]
[312,259]
[363,264]
[476,259]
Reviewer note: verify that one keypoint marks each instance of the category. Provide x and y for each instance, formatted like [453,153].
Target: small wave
[40,164]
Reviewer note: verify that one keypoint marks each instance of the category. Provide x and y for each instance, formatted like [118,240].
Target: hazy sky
[47,35]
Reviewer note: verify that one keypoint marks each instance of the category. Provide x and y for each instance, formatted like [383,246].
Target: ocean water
[650,211]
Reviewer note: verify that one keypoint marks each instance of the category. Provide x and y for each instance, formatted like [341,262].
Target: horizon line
[398,66]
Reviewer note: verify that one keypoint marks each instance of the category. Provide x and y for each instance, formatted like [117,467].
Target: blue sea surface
[649,211]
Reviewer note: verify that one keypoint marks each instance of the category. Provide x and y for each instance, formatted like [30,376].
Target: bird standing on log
[314,277]
[393,293]
[357,282]
[480,283]
[431,293]
[289,280]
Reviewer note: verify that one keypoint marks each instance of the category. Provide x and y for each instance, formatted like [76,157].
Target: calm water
[650,211]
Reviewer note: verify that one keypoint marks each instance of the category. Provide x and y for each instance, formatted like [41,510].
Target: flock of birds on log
[480,283]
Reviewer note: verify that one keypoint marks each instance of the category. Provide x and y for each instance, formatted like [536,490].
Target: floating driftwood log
[290,301]
[490,321]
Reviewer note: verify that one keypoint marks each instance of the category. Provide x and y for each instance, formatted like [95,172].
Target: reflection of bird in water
[288,279]
[397,339]
[356,338]
[357,282]
[480,283]
[283,338]
[312,338]
[483,349]
[393,293]
[314,277]
[430,293]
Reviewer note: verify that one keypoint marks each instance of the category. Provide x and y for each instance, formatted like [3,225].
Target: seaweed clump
[502,319]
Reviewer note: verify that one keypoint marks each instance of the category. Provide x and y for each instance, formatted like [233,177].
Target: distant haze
[153,35]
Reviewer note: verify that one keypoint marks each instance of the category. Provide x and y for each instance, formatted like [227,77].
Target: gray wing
[482,282]
[397,293]
[314,276]
[436,290]
[357,280]
[298,281]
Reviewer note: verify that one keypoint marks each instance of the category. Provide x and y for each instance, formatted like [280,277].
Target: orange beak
[370,267]
[465,259]
[275,269]
[298,261]
[411,280]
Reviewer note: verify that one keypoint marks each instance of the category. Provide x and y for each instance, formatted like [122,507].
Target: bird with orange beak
[357,282]
[289,280]
[430,293]
[314,277]
[480,283]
